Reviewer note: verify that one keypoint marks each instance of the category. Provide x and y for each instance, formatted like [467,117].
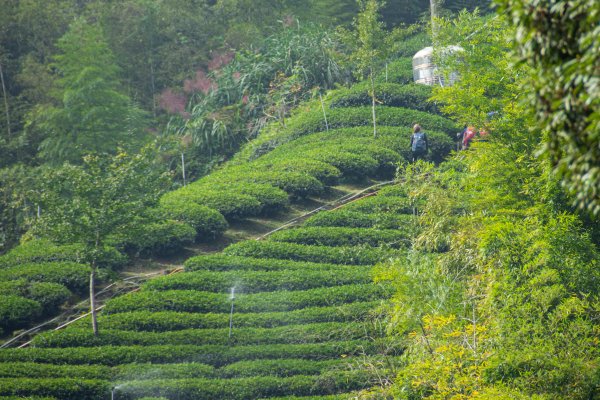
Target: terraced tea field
[293,315]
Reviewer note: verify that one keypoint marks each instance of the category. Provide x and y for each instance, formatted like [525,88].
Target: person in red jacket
[468,137]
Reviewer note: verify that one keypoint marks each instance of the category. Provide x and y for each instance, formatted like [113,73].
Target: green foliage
[33,370]
[221,262]
[196,301]
[208,223]
[43,250]
[259,281]
[170,320]
[209,354]
[72,275]
[343,236]
[231,205]
[378,204]
[16,311]
[155,238]
[412,96]
[290,334]
[49,295]
[354,219]
[321,170]
[299,252]
[63,388]
[94,116]
[561,45]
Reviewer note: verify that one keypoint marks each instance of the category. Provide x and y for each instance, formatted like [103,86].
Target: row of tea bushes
[355,219]
[343,236]
[412,96]
[161,321]
[291,334]
[300,252]
[259,281]
[215,355]
[204,302]
[222,262]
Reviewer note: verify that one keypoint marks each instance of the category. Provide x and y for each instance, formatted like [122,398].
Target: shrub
[395,190]
[299,252]
[350,164]
[62,388]
[320,170]
[295,183]
[171,320]
[147,371]
[400,70]
[208,354]
[411,96]
[291,334]
[16,311]
[230,204]
[208,222]
[259,281]
[50,295]
[246,388]
[33,370]
[156,238]
[378,204]
[41,250]
[285,367]
[221,262]
[72,275]
[342,236]
[356,219]
[196,301]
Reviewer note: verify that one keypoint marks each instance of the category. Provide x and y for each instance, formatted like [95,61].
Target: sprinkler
[232,298]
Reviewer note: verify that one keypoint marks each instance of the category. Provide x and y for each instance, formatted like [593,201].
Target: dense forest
[188,134]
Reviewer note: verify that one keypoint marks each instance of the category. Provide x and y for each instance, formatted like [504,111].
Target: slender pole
[324,113]
[232,297]
[433,17]
[5,101]
[373,104]
[386,72]
[183,167]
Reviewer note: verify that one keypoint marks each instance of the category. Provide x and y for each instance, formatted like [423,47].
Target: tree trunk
[5,101]
[373,104]
[93,299]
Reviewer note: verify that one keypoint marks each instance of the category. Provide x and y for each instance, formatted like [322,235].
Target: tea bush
[259,281]
[171,320]
[342,236]
[72,275]
[156,238]
[230,204]
[17,311]
[34,370]
[208,222]
[290,334]
[413,96]
[42,250]
[299,252]
[221,262]
[355,219]
[62,388]
[196,301]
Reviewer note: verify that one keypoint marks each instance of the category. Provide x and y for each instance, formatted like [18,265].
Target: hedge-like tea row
[259,281]
[209,354]
[396,190]
[17,311]
[230,204]
[35,370]
[271,198]
[49,295]
[320,170]
[282,367]
[171,320]
[61,388]
[208,223]
[350,164]
[311,122]
[300,252]
[411,96]
[246,388]
[290,334]
[341,236]
[355,219]
[41,250]
[196,301]
[155,238]
[377,204]
[72,275]
[221,262]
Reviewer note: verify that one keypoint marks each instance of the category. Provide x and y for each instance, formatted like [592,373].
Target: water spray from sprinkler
[232,298]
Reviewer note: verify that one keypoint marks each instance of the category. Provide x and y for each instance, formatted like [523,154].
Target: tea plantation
[291,316]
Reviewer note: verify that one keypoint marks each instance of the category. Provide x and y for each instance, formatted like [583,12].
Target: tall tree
[102,197]
[93,116]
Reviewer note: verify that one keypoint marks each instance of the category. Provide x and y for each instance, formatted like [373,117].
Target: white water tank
[425,71]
